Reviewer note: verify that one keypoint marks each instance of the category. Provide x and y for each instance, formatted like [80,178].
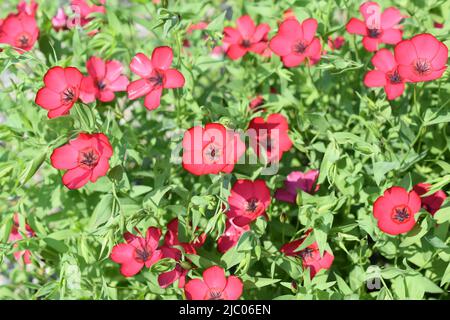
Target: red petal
[173,79]
[162,57]
[214,277]
[246,27]
[153,99]
[141,65]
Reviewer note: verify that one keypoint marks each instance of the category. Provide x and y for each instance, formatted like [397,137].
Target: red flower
[28,8]
[211,150]
[214,286]
[295,42]
[137,252]
[61,90]
[336,43]
[105,78]
[15,235]
[84,10]
[59,21]
[421,58]
[169,251]
[433,202]
[231,236]
[248,200]
[20,31]
[85,158]
[156,76]
[395,210]
[171,238]
[270,136]
[310,255]
[297,180]
[377,27]
[246,37]
[438,25]
[386,74]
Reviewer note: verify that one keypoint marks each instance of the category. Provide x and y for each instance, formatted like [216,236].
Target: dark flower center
[252,204]
[246,43]
[422,66]
[212,152]
[215,294]
[373,32]
[101,85]
[23,40]
[401,214]
[299,47]
[88,158]
[142,254]
[394,77]
[68,95]
[306,253]
[157,79]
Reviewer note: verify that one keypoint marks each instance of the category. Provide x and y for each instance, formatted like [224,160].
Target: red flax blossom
[295,42]
[60,92]
[270,138]
[377,27]
[211,149]
[83,10]
[421,58]
[155,74]
[295,181]
[170,251]
[386,74]
[248,200]
[433,202]
[336,43]
[214,286]
[246,37]
[59,21]
[137,252]
[105,78]
[85,158]
[311,258]
[30,8]
[16,235]
[20,31]
[395,210]
[231,236]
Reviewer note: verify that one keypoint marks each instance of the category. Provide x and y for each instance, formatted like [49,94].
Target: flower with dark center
[88,158]
[373,33]
[422,66]
[401,214]
[395,210]
[212,153]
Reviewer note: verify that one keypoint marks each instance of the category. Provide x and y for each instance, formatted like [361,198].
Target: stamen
[157,79]
[89,158]
[394,77]
[422,66]
[300,47]
[68,95]
[401,214]
[246,43]
[215,294]
[373,33]
[252,205]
